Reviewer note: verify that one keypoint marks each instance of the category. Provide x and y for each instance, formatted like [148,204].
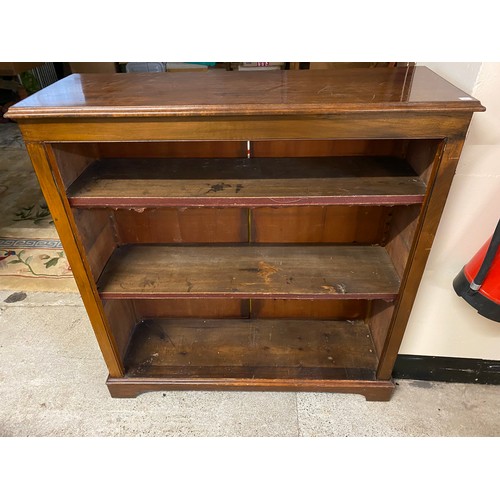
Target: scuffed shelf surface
[269,349]
[242,271]
[247,182]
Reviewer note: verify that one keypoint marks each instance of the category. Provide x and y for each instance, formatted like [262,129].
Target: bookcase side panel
[52,187]
[438,187]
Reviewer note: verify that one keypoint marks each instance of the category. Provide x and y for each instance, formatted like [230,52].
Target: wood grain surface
[247,182]
[215,93]
[251,348]
[241,271]
[230,238]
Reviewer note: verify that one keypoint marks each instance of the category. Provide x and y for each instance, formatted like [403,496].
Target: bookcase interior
[266,259]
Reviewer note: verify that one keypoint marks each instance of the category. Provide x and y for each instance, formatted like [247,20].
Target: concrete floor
[52,383]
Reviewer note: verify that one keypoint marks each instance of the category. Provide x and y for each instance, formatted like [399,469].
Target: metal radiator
[45,74]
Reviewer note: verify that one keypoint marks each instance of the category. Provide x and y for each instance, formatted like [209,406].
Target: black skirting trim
[444,369]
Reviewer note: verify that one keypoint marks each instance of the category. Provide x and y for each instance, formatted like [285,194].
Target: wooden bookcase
[263,231]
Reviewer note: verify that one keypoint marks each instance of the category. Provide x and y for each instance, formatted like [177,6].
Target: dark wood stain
[251,94]
[178,225]
[162,216]
[264,181]
[251,348]
[259,271]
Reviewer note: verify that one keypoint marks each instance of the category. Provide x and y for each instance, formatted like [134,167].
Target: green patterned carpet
[31,255]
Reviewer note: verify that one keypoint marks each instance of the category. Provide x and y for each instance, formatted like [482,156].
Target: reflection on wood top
[220,93]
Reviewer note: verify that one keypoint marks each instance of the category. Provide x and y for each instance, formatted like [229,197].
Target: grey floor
[52,383]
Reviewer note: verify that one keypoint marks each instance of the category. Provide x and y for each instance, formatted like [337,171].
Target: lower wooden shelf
[251,354]
[251,348]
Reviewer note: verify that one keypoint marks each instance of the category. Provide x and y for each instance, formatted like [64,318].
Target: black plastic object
[470,291]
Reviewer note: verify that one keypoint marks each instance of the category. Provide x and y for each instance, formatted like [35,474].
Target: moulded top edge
[219,93]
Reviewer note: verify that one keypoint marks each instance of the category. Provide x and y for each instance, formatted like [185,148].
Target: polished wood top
[220,93]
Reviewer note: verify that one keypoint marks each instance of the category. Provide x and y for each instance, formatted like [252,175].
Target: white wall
[441,323]
[461,74]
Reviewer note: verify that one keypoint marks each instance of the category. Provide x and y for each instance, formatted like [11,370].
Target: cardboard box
[14,68]
[93,67]
[180,66]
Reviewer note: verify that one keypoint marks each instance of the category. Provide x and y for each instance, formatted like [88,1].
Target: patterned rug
[31,255]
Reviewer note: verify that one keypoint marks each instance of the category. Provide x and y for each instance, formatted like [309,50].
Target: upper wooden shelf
[247,182]
[222,93]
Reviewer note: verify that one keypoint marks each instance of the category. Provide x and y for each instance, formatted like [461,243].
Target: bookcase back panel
[319,224]
[254,308]
[304,148]
[179,225]
[192,308]
[173,149]
[321,309]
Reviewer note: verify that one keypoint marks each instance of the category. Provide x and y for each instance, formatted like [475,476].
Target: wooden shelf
[242,271]
[247,182]
[262,349]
